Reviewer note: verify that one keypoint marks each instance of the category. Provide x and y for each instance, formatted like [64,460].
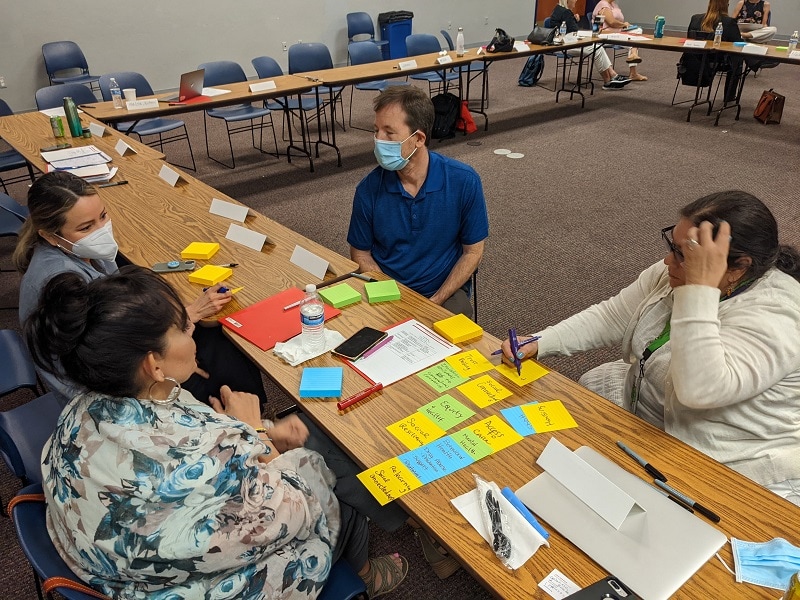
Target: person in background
[754,20]
[709,340]
[564,12]
[69,229]
[614,22]
[151,493]
[703,26]
[420,217]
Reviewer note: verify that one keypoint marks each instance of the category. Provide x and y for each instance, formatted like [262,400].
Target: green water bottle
[73,120]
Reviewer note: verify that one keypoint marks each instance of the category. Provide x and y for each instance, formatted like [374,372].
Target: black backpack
[447,108]
[532,71]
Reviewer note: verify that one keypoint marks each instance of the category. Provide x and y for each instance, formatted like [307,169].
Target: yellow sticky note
[210,275]
[415,431]
[458,328]
[549,416]
[469,363]
[531,371]
[483,391]
[495,432]
[389,480]
[200,250]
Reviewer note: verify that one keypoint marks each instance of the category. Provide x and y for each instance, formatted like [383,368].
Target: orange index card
[495,432]
[469,363]
[415,431]
[484,391]
[389,480]
[531,371]
[549,416]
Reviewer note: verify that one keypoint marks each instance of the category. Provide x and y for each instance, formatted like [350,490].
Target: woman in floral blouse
[152,494]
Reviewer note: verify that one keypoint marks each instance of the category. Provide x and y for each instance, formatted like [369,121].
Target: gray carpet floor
[571,223]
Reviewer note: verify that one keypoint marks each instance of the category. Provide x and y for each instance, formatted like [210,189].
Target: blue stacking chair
[425,43]
[53,96]
[362,53]
[11,160]
[239,118]
[146,127]
[472,71]
[360,24]
[12,216]
[67,56]
[316,57]
[16,365]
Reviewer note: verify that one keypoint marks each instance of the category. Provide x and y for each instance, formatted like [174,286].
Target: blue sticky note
[436,459]
[321,382]
[517,419]
[740,43]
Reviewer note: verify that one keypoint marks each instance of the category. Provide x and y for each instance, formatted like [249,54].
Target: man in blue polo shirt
[419,217]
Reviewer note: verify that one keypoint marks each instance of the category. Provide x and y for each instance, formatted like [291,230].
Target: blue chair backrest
[266,67]
[364,52]
[422,43]
[448,39]
[359,23]
[222,72]
[24,430]
[11,206]
[5,109]
[53,96]
[59,56]
[548,22]
[125,79]
[309,57]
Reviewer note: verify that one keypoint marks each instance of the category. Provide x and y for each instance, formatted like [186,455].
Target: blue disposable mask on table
[770,564]
[390,154]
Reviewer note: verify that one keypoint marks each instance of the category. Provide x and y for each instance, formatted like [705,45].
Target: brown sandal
[390,575]
[441,562]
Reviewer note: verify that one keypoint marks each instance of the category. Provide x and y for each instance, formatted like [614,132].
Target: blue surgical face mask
[770,564]
[390,154]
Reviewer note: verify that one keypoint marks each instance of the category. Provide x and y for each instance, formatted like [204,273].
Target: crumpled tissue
[294,353]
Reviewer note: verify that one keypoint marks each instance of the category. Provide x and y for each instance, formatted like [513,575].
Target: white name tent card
[141,104]
[263,86]
[443,60]
[407,64]
[694,44]
[168,175]
[754,49]
[212,91]
[97,129]
[309,261]
[121,147]
[521,47]
[794,54]
[246,237]
[237,212]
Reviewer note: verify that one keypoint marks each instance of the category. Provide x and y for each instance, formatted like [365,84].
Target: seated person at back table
[702,26]
[752,14]
[419,217]
[614,22]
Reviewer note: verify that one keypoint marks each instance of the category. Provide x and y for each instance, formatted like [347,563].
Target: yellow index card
[495,432]
[484,391]
[469,363]
[389,480]
[415,431]
[531,371]
[549,416]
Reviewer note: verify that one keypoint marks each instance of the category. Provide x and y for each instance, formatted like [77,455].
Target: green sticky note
[382,291]
[446,412]
[442,377]
[340,295]
[472,444]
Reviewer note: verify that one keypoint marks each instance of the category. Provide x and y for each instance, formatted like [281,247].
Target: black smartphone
[56,147]
[358,343]
[609,588]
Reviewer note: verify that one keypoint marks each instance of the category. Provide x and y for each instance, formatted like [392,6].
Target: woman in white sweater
[710,340]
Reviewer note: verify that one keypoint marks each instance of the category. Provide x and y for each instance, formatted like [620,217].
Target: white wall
[163,38]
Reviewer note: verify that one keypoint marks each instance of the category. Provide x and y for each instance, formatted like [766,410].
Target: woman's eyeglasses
[666,235]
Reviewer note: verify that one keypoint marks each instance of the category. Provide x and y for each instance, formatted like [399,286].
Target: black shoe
[616,83]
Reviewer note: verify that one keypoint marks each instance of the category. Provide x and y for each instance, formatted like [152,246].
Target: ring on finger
[692,242]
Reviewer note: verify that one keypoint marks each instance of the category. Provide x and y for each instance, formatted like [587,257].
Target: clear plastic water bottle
[460,42]
[116,93]
[793,42]
[718,35]
[312,319]
[562,31]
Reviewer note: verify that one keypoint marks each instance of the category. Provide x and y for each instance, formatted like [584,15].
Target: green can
[58,126]
[793,591]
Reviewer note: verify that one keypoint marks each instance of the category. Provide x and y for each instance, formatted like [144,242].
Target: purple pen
[377,346]
[535,338]
[512,339]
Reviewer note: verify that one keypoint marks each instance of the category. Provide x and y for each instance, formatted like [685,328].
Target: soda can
[660,22]
[58,126]
[793,591]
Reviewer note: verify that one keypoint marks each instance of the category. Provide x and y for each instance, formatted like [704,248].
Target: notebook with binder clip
[190,88]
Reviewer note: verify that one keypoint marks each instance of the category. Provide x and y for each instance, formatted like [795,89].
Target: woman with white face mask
[69,230]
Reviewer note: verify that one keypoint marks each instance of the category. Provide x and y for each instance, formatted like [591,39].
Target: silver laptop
[191,86]
[653,553]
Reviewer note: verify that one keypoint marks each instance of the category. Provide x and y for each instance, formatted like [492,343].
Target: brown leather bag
[770,107]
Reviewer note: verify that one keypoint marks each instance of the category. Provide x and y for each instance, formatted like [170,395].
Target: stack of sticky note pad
[321,382]
[340,295]
[200,250]
[458,328]
[210,275]
[382,291]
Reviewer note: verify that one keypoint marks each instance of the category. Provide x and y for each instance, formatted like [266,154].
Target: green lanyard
[662,339]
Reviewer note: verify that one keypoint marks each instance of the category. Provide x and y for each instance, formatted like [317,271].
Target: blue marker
[523,510]
[222,290]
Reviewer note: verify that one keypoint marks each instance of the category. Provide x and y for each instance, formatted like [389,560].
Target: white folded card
[305,259]
[521,47]
[121,147]
[584,33]
[97,129]
[168,175]
[142,104]
[694,44]
[237,212]
[263,86]
[407,64]
[754,49]
[443,60]
[246,237]
[794,54]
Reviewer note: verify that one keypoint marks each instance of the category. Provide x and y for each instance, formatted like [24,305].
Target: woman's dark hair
[50,198]
[100,331]
[753,229]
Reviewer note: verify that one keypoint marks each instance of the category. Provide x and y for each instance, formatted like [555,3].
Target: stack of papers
[88,162]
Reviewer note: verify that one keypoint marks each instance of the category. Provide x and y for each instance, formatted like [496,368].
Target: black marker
[113,183]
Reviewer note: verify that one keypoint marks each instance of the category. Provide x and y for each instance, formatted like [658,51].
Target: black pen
[646,465]
[688,501]
[113,183]
[86,106]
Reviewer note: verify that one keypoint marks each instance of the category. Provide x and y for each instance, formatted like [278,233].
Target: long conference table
[154,221]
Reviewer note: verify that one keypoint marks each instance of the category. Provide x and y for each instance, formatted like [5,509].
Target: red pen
[359,396]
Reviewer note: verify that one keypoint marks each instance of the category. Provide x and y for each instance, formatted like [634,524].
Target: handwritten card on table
[473,445]
[495,432]
[549,416]
[389,480]
[530,371]
[516,417]
[435,460]
[415,430]
[484,391]
[442,377]
[236,212]
[446,412]
[469,363]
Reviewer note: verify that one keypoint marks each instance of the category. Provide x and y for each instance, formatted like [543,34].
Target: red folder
[193,100]
[266,323]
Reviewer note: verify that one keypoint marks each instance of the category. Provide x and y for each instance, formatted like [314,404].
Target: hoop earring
[171,397]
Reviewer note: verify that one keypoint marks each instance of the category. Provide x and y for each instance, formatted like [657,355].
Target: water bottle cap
[311,288]
[461,29]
